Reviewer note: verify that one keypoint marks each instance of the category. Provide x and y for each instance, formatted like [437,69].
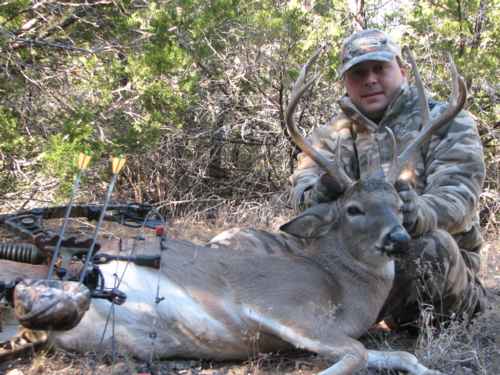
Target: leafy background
[193,92]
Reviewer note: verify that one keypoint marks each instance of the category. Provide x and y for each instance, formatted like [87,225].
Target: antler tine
[455,105]
[422,98]
[394,168]
[455,77]
[300,86]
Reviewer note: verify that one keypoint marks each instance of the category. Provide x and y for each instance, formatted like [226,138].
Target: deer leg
[348,364]
[398,361]
[353,355]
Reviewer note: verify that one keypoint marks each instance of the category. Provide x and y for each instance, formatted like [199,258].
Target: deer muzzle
[396,241]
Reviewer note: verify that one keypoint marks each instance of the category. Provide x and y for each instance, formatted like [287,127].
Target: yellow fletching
[83,161]
[117,164]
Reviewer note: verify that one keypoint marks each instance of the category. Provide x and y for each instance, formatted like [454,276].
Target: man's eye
[358,73]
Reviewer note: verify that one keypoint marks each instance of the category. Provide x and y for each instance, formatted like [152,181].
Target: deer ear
[313,222]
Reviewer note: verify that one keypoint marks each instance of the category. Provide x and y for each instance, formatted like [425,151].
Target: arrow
[82,165]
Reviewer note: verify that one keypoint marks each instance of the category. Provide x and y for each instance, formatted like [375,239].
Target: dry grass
[200,225]
[455,350]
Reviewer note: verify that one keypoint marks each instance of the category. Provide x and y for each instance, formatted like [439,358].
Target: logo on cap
[367,45]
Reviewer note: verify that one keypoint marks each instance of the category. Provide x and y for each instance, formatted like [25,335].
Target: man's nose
[371,78]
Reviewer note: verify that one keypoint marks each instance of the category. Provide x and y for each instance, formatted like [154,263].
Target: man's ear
[403,67]
[404,72]
[313,222]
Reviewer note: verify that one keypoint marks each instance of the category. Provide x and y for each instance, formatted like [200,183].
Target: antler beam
[333,168]
[455,105]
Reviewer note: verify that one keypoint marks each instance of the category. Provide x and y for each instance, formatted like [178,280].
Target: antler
[455,105]
[333,168]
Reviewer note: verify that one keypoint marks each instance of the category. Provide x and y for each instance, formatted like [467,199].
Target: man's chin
[374,112]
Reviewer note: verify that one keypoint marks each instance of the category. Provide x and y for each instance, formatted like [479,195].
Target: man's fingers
[331,185]
[410,204]
[408,195]
[401,186]
[405,196]
[408,207]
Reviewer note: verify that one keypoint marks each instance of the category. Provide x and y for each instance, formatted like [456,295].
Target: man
[440,197]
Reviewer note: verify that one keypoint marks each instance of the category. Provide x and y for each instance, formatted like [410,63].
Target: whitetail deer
[324,290]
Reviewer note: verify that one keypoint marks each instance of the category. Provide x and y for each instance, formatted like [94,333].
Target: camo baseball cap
[371,44]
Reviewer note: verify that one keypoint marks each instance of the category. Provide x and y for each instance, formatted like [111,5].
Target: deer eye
[354,211]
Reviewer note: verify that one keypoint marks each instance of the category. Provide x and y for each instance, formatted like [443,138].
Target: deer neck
[352,272]
[351,277]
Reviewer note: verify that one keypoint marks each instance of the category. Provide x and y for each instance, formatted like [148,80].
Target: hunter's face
[372,85]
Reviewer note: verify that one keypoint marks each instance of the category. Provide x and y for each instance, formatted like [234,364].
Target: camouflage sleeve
[454,174]
[306,190]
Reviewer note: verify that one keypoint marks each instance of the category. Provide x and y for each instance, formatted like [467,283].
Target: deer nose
[399,236]
[396,241]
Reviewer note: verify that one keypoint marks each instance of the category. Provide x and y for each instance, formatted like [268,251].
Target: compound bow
[73,261]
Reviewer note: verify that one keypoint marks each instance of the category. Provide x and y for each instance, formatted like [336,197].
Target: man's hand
[327,188]
[410,205]
[324,189]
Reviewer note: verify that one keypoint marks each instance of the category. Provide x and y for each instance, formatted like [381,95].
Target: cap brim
[371,56]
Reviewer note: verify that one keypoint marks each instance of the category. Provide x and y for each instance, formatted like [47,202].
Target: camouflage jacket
[448,171]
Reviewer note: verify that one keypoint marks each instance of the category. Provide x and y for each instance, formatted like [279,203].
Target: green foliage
[473,42]
[11,11]
[11,138]
[164,105]
[206,81]
[132,136]
[16,148]
[12,143]
[62,149]
[59,160]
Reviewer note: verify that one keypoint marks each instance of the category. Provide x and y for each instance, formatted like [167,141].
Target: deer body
[214,305]
[320,288]
[317,293]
